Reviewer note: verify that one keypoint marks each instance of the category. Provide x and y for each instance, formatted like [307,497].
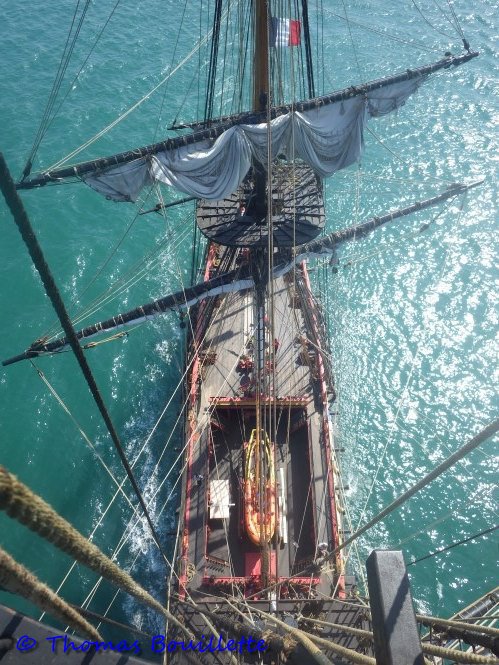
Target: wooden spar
[176,300]
[361,230]
[261,102]
[170,302]
[221,125]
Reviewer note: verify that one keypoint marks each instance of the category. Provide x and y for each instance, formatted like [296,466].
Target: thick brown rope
[458,656]
[438,623]
[307,638]
[17,579]
[350,630]
[20,503]
[429,649]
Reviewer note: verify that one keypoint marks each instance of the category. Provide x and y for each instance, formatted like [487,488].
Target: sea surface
[413,316]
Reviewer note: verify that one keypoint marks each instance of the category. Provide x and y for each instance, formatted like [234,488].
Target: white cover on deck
[328,138]
[219,499]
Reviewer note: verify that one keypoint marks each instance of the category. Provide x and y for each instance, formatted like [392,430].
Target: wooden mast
[260,103]
[261,57]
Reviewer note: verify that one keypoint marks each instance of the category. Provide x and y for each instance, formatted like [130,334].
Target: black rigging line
[179,31]
[111,622]
[52,330]
[456,22]
[195,252]
[301,69]
[452,545]
[63,65]
[441,32]
[384,34]
[208,109]
[442,12]
[243,65]
[456,25]
[224,61]
[83,65]
[21,219]
[359,69]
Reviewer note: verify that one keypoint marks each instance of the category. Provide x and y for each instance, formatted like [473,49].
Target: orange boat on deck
[259,511]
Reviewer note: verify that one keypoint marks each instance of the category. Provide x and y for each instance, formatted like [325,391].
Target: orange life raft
[259,520]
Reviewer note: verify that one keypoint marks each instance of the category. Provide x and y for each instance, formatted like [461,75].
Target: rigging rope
[130,110]
[429,649]
[384,34]
[111,622]
[458,656]
[134,462]
[457,25]
[179,31]
[359,69]
[208,109]
[452,545]
[349,630]
[71,85]
[124,539]
[82,432]
[307,638]
[179,478]
[403,396]
[403,161]
[102,298]
[21,219]
[64,62]
[480,438]
[126,282]
[436,622]
[428,22]
[19,580]
[431,428]
[20,503]
[308,49]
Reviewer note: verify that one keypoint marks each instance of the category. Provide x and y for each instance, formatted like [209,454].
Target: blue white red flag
[285,32]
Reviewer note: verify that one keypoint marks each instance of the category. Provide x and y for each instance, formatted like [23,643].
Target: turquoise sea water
[413,318]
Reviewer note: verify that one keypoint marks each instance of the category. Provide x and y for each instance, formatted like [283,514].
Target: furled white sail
[328,138]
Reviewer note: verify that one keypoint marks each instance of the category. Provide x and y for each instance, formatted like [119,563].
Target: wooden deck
[222,418]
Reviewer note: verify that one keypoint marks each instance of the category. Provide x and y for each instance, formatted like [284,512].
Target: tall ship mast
[261,529]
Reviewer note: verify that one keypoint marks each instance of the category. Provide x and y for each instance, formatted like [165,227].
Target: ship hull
[220,550]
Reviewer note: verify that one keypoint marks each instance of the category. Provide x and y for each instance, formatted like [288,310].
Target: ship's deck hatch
[219,502]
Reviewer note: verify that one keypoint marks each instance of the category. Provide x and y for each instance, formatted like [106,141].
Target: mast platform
[297,211]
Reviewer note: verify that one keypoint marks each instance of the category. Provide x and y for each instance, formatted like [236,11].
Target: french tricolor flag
[285,32]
